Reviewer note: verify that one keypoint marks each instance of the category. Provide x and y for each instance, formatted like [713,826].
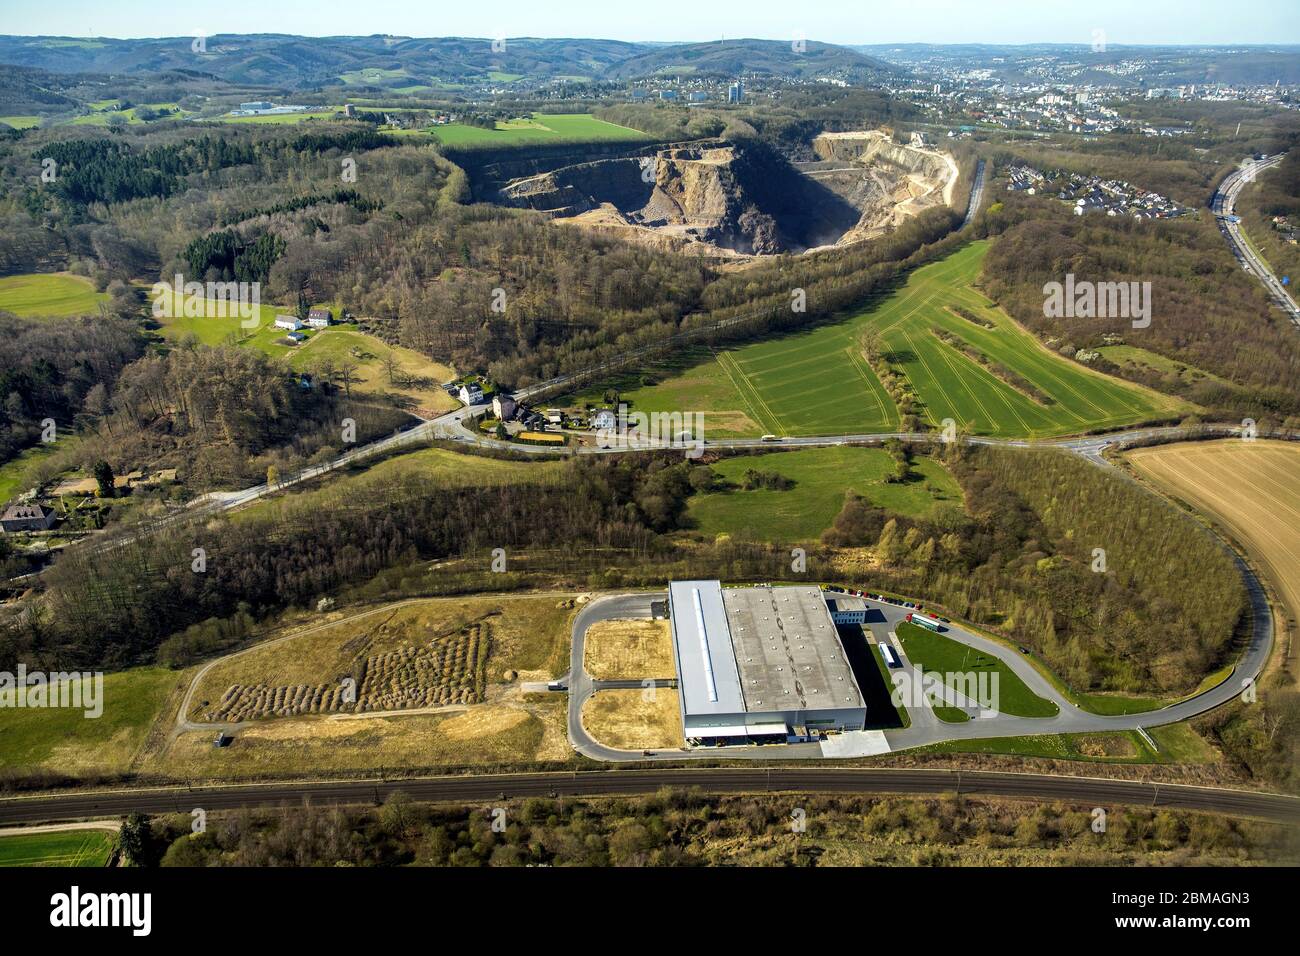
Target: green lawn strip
[931,652]
[13,473]
[950,715]
[1052,746]
[1177,743]
[64,848]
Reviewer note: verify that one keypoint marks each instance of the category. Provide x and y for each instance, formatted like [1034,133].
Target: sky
[843,21]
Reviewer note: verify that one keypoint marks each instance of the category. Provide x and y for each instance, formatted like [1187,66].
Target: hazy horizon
[940,22]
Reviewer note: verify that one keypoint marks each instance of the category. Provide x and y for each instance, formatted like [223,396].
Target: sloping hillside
[295,62]
[733,57]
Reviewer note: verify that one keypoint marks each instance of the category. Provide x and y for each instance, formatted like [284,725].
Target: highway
[976,195]
[486,788]
[1223,205]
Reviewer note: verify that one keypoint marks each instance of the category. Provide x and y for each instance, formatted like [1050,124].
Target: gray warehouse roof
[757,650]
[788,650]
[706,663]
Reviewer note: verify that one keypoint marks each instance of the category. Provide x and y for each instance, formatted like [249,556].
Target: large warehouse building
[759,664]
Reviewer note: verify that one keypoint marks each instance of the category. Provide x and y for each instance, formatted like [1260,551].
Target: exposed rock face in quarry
[886,182]
[727,199]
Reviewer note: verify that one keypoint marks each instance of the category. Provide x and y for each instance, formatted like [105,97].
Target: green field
[688,380]
[821,476]
[216,329]
[13,473]
[539,128]
[65,740]
[57,848]
[1177,743]
[49,294]
[817,382]
[366,480]
[938,652]
[20,122]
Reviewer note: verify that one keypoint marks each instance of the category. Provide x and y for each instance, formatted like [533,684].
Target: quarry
[731,200]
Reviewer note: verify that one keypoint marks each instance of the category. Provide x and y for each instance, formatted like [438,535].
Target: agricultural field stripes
[1252,488]
[817,382]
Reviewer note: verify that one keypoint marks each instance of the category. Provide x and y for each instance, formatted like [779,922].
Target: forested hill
[732,57]
[293,61]
[296,62]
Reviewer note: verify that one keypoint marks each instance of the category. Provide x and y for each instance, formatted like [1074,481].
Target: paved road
[486,788]
[1223,205]
[976,195]
[925,728]
[1070,719]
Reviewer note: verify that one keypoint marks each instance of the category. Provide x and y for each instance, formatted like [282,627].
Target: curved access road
[1087,791]
[925,727]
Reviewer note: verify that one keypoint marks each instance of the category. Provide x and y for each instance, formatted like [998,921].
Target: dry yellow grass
[1251,488]
[529,635]
[623,719]
[416,380]
[480,734]
[628,650]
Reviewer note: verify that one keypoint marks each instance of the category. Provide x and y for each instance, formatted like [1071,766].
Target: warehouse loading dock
[759,665]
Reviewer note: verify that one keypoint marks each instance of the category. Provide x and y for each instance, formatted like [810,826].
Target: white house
[319,318]
[290,322]
[503,407]
[604,419]
[471,393]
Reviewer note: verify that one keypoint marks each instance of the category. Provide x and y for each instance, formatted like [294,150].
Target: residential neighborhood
[1088,194]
